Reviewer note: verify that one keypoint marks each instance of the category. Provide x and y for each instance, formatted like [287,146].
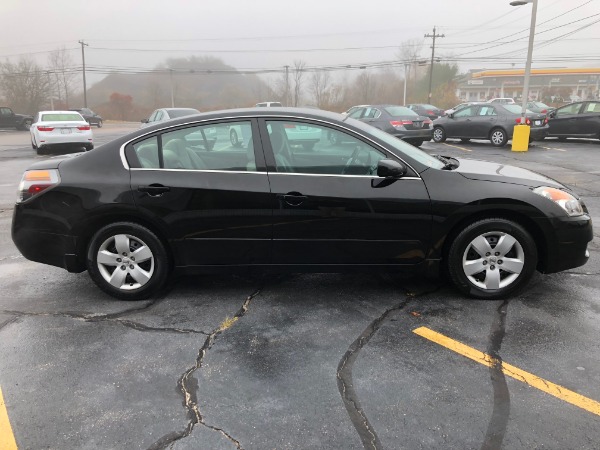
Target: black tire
[25,125]
[233,137]
[40,150]
[89,147]
[439,134]
[465,140]
[99,124]
[33,146]
[138,280]
[489,234]
[416,143]
[498,137]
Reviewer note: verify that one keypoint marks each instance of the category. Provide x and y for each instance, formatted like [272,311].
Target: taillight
[527,121]
[84,128]
[43,128]
[431,113]
[400,123]
[36,181]
[428,121]
[545,120]
[544,111]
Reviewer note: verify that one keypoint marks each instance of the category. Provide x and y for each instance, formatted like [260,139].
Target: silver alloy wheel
[493,260]
[125,262]
[498,137]
[438,134]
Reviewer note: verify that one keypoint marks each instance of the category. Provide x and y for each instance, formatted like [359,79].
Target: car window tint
[466,112]
[147,153]
[487,111]
[569,109]
[299,147]
[591,108]
[223,146]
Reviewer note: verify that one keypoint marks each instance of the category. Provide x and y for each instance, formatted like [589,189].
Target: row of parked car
[493,120]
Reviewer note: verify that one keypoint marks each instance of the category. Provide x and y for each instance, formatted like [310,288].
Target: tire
[25,125]
[131,280]
[33,146]
[439,135]
[233,137]
[99,124]
[416,143]
[498,137]
[474,248]
[89,147]
[465,140]
[40,150]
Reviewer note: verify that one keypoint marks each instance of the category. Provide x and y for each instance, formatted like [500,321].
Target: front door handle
[154,190]
[293,198]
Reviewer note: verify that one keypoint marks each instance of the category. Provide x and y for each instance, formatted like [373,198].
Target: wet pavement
[306,360]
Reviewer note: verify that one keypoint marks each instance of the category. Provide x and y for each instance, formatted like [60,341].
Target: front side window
[466,112]
[201,147]
[569,109]
[299,147]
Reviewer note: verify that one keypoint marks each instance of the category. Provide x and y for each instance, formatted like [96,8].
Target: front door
[461,123]
[328,211]
[564,121]
[212,198]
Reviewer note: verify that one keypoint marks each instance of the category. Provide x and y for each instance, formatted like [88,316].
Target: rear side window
[147,153]
[466,112]
[487,111]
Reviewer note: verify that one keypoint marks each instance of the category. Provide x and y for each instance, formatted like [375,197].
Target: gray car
[494,122]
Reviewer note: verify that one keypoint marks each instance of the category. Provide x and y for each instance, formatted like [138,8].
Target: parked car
[433,112]
[539,107]
[460,106]
[149,204]
[268,104]
[575,120]
[8,119]
[52,129]
[164,114]
[495,122]
[398,121]
[90,116]
[502,100]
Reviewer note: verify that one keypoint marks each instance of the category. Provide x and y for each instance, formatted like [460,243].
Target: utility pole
[172,89]
[434,36]
[287,85]
[50,91]
[84,86]
[405,81]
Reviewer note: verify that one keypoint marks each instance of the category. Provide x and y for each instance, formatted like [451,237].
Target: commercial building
[549,85]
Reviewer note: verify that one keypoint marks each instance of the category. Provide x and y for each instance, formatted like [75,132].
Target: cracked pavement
[299,361]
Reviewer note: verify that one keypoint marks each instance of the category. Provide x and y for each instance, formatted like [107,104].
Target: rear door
[211,198]
[328,211]
[484,121]
[565,121]
[589,120]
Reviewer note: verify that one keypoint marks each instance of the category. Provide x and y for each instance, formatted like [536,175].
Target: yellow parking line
[551,148]
[7,438]
[460,148]
[528,378]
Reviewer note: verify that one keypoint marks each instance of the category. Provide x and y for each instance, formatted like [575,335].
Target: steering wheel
[353,158]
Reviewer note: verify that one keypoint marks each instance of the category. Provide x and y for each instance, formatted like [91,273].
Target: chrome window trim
[265,117]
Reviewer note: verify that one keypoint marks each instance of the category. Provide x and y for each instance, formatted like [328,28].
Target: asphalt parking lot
[302,361]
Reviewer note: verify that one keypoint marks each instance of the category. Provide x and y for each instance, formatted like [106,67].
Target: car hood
[502,173]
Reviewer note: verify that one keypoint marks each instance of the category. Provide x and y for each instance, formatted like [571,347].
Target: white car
[164,114]
[60,129]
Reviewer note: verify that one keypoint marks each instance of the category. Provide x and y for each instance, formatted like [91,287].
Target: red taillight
[544,111]
[84,128]
[287,125]
[37,188]
[428,121]
[431,113]
[546,120]
[43,128]
[399,123]
[527,121]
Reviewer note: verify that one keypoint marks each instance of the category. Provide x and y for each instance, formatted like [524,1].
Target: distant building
[550,85]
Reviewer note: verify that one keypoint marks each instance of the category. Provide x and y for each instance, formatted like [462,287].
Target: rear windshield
[515,109]
[182,112]
[429,107]
[61,117]
[399,111]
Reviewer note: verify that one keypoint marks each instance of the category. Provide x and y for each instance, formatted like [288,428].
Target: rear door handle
[293,198]
[154,190]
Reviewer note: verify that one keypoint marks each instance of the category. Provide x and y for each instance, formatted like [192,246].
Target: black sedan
[423,109]
[576,120]
[163,200]
[398,121]
[486,121]
[90,116]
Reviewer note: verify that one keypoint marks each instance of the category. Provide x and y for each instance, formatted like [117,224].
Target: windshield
[173,113]
[400,147]
[396,111]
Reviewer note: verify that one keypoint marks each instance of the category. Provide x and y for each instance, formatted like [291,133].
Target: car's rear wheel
[99,124]
[439,135]
[25,125]
[498,137]
[416,143]
[233,137]
[127,261]
[492,258]
[89,147]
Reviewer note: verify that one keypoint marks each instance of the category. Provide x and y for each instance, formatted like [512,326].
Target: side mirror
[389,168]
[451,115]
[552,114]
[144,120]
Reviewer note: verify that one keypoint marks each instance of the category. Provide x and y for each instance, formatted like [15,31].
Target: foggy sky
[263,34]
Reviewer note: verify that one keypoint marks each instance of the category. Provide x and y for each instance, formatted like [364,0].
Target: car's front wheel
[233,137]
[127,261]
[492,258]
[439,135]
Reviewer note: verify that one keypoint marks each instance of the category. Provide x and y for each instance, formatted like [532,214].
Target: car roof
[70,111]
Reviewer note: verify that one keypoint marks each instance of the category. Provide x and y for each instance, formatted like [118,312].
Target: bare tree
[365,84]
[61,63]
[298,72]
[24,85]
[319,86]
[409,53]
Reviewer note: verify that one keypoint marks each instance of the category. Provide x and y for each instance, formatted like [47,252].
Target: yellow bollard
[520,139]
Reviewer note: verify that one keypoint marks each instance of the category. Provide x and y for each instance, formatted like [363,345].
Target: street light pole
[405,82]
[529,53]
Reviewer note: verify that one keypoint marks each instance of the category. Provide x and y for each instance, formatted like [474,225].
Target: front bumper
[571,238]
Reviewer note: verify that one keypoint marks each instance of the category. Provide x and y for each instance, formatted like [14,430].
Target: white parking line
[551,148]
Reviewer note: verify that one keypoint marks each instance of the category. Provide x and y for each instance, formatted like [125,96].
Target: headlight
[566,201]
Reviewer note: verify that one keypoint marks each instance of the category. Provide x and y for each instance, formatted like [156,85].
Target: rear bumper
[65,139]
[424,134]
